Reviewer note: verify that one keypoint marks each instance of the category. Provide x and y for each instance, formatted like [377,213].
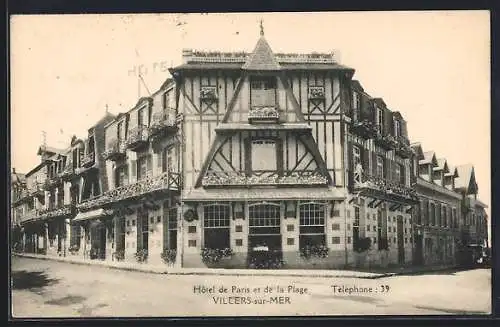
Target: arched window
[216,219]
[312,224]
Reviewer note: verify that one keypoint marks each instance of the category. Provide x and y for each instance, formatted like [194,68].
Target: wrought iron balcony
[169,181]
[365,129]
[88,160]
[162,123]
[30,215]
[264,114]
[383,188]
[304,178]
[138,138]
[115,150]
[386,142]
[58,211]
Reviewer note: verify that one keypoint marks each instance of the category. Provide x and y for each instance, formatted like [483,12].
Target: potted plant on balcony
[365,128]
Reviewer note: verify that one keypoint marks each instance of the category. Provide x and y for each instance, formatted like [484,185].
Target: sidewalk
[165,269]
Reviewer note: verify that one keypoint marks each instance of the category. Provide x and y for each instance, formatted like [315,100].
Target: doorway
[401,244]
[98,240]
[264,237]
[419,247]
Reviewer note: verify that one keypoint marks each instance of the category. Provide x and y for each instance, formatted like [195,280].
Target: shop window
[216,226]
[264,219]
[312,224]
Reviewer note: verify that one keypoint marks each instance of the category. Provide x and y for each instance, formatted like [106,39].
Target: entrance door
[98,241]
[419,253]
[264,238]
[401,244]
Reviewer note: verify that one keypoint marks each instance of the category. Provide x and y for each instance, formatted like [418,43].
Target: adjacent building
[257,159]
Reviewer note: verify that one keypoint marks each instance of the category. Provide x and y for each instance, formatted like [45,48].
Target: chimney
[187,54]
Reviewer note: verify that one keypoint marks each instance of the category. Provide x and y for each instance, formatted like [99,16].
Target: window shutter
[374,163]
[149,164]
[404,129]
[350,164]
[248,157]
[388,122]
[133,168]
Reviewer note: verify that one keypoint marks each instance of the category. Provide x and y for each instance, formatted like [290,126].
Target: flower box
[208,93]
[316,92]
[365,128]
[263,114]
[387,142]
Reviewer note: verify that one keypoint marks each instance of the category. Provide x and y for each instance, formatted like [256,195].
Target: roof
[452,171]
[263,194]
[107,117]
[417,148]
[262,58]
[50,150]
[18,178]
[441,165]
[380,102]
[356,85]
[429,157]
[466,178]
[284,66]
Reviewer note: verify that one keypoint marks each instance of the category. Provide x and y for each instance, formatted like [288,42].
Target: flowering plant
[208,92]
[318,251]
[73,249]
[316,92]
[211,256]
[169,255]
[266,260]
[141,255]
[119,255]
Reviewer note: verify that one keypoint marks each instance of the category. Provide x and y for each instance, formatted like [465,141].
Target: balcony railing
[138,138]
[56,211]
[88,160]
[165,182]
[365,129]
[386,142]
[162,122]
[384,188]
[263,114]
[305,178]
[115,150]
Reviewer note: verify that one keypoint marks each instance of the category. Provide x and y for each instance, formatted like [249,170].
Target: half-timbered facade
[260,159]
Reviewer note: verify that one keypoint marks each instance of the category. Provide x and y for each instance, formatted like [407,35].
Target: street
[45,288]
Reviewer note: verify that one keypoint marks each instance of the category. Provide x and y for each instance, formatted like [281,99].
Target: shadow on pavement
[67,300]
[452,311]
[31,280]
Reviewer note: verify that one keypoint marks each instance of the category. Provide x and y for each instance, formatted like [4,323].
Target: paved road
[43,288]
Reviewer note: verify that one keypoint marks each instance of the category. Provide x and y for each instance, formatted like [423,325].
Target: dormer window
[263,91]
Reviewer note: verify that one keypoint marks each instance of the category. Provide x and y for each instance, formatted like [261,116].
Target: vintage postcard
[250,164]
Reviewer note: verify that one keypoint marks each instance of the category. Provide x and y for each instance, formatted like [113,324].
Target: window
[164,100]
[290,241]
[264,219]
[238,242]
[168,159]
[335,226]
[119,131]
[191,229]
[380,166]
[432,214]
[397,173]
[356,102]
[380,117]
[121,176]
[438,221]
[397,128]
[454,217]
[192,243]
[216,226]
[263,92]
[239,228]
[144,167]
[356,155]
[312,224]
[355,227]
[264,155]
[335,240]
[290,228]
[142,117]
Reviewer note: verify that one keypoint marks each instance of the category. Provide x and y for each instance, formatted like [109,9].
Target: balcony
[138,138]
[163,183]
[365,129]
[53,212]
[88,160]
[115,150]
[304,178]
[403,148]
[386,142]
[30,216]
[383,189]
[162,123]
[263,114]
[68,172]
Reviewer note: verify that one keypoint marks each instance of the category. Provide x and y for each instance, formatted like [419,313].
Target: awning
[93,214]
[264,194]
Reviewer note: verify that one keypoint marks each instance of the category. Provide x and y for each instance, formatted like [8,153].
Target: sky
[433,67]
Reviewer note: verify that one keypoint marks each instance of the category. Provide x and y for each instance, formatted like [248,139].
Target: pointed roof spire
[262,57]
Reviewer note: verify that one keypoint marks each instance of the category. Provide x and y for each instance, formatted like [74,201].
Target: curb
[221,272]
